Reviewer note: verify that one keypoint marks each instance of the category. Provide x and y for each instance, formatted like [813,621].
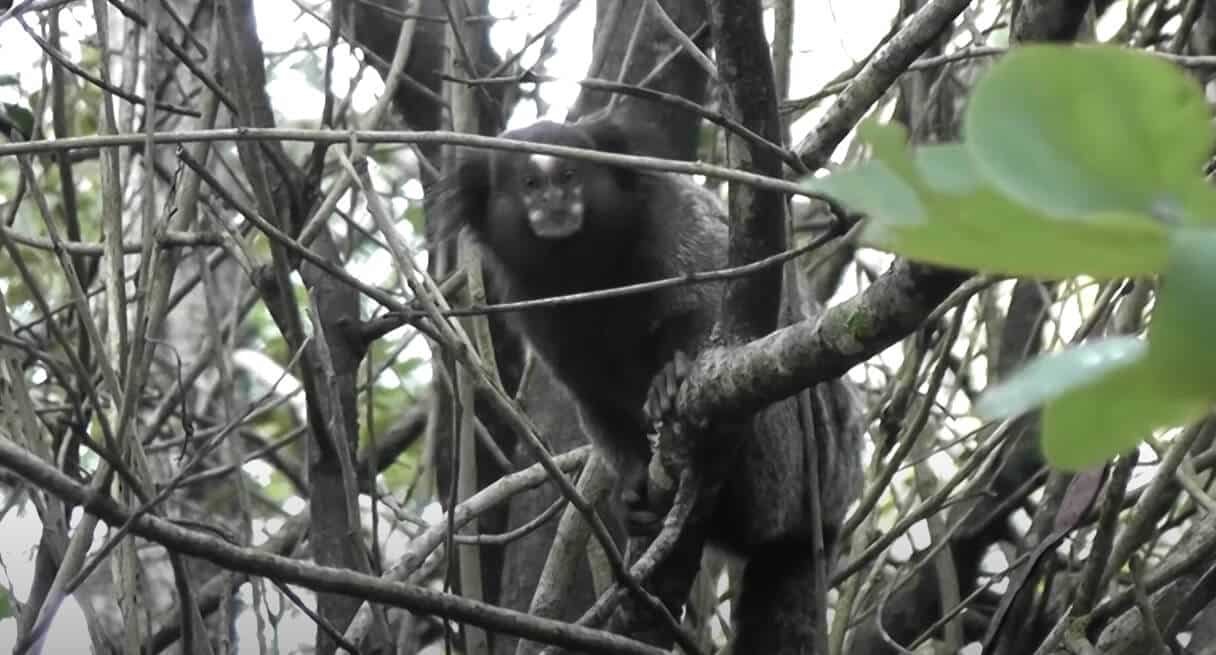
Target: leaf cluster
[1074,161]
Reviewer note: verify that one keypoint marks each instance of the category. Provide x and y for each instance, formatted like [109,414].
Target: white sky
[829,36]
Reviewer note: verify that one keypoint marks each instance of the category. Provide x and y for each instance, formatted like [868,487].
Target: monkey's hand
[649,491]
[661,406]
[643,511]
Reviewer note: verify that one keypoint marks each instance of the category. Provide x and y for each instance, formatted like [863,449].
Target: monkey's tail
[687,492]
[659,549]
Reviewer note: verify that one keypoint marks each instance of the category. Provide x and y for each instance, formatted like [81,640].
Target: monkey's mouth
[554,225]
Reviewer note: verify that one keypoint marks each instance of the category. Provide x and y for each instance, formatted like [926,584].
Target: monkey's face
[530,209]
[549,191]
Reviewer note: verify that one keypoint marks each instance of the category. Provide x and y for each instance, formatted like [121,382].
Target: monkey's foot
[642,517]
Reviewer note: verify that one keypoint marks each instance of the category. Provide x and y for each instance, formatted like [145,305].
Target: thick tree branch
[743,379]
[757,217]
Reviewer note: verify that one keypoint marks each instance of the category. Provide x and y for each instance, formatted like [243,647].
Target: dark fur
[639,227]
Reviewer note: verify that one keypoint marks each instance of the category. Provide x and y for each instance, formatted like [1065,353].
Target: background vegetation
[219,363]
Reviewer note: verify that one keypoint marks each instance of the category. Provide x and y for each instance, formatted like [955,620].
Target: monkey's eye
[530,182]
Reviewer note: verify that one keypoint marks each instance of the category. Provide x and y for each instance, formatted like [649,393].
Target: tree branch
[322,579]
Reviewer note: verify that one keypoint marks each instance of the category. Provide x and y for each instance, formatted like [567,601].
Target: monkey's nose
[554,200]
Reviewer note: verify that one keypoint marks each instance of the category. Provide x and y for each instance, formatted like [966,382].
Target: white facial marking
[546,163]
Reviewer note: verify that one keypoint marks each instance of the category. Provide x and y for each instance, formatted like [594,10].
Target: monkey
[550,226]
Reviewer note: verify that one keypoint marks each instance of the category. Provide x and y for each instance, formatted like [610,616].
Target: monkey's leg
[670,583]
[776,613]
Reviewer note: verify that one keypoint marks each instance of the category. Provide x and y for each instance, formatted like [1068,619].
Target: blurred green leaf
[404,470]
[17,117]
[934,207]
[1180,338]
[1050,376]
[1090,130]
[417,217]
[1104,397]
[1092,423]
[279,488]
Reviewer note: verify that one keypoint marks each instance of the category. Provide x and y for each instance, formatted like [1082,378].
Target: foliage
[1074,161]
[16,120]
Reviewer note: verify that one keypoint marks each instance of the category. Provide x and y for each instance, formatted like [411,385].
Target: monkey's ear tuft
[461,196]
[471,174]
[608,137]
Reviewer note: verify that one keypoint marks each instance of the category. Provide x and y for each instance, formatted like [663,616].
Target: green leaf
[417,217]
[19,117]
[6,604]
[935,208]
[279,488]
[873,188]
[1090,424]
[1050,376]
[881,187]
[889,142]
[1180,338]
[948,170]
[1101,399]
[1104,397]
[1091,130]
